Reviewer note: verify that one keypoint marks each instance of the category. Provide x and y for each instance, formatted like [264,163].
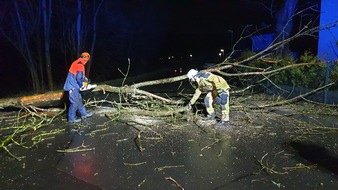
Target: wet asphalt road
[261,154]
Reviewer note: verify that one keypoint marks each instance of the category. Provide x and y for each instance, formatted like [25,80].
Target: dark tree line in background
[29,26]
[42,30]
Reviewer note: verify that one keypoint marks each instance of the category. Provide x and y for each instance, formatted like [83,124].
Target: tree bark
[96,12]
[43,100]
[47,15]
[23,46]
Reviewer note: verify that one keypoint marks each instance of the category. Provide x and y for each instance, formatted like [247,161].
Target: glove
[189,106]
[86,80]
[84,84]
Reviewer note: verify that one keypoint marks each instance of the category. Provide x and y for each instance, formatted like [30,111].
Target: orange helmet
[85,55]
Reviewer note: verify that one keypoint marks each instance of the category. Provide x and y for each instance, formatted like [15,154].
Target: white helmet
[192,73]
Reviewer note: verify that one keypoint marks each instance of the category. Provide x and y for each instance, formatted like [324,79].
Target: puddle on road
[317,155]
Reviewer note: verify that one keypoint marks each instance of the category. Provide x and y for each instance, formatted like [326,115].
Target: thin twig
[176,183]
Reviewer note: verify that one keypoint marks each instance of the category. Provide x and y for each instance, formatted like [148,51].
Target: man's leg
[223,101]
[208,100]
[72,106]
[81,107]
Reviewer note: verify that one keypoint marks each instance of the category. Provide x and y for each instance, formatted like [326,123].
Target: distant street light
[221,53]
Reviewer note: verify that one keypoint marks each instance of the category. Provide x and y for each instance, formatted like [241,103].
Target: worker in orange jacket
[75,81]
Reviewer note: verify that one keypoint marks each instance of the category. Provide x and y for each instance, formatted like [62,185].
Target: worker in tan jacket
[216,89]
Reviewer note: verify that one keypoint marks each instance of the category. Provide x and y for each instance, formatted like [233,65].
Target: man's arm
[195,96]
[80,78]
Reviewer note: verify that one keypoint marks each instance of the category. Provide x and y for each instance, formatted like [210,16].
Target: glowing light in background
[327,43]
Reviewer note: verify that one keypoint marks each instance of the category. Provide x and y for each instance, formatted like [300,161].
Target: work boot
[223,123]
[210,117]
[75,121]
[209,120]
[225,117]
[86,116]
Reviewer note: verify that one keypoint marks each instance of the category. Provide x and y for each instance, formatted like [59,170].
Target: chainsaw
[87,86]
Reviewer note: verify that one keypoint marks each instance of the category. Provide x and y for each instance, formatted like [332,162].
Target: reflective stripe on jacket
[217,81]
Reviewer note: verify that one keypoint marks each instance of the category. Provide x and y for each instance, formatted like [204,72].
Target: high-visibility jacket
[209,82]
[76,76]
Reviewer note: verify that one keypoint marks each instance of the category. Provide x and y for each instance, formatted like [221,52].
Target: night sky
[144,31]
[161,29]
[188,26]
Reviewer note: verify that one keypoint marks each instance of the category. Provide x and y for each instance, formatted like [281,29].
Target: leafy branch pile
[310,75]
[25,129]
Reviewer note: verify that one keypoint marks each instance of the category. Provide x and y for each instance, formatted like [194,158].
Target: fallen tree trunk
[57,98]
[131,90]
[38,100]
